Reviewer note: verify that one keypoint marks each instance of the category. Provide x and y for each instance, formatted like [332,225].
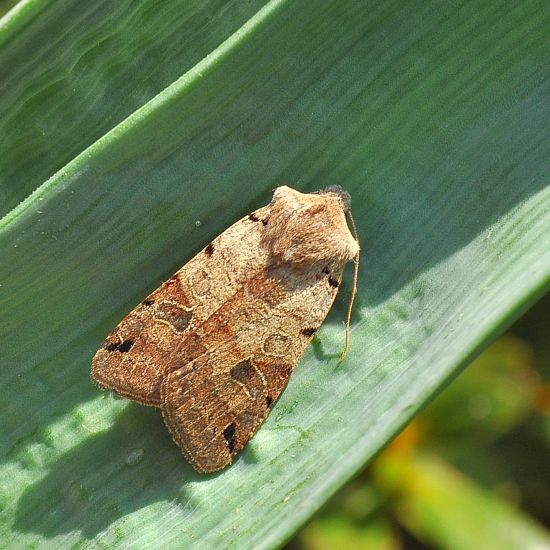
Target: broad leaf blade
[73,70]
[443,151]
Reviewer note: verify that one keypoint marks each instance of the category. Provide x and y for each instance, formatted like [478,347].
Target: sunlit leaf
[433,116]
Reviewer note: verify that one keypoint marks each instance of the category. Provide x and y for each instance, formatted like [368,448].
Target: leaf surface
[433,116]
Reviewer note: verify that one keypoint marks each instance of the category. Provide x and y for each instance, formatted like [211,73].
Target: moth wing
[212,417]
[158,336]
[215,404]
[139,352]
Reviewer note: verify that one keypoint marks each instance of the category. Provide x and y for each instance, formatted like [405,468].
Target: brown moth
[214,346]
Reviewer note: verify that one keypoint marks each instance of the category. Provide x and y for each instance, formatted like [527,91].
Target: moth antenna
[353,290]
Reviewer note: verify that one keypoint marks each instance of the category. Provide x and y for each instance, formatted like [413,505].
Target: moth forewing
[214,346]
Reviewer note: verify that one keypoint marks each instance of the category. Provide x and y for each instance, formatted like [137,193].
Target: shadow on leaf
[143,467]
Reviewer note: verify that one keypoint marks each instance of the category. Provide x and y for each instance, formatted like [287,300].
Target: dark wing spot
[245,373]
[148,302]
[122,347]
[255,218]
[269,401]
[333,282]
[326,270]
[209,250]
[125,346]
[308,331]
[242,371]
[174,314]
[229,434]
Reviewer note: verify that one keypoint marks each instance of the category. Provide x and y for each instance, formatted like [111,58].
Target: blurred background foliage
[6,5]
[471,471]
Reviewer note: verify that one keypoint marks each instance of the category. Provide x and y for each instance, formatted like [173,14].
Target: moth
[214,346]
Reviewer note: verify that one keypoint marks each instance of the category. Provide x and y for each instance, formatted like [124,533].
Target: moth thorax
[305,230]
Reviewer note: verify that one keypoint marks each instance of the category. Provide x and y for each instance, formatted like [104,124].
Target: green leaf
[6,5]
[87,66]
[494,396]
[445,509]
[336,532]
[433,116]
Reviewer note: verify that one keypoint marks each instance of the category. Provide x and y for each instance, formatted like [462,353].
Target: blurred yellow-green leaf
[442,507]
[336,532]
[493,396]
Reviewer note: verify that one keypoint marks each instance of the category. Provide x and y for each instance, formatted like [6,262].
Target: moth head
[337,191]
[309,229]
